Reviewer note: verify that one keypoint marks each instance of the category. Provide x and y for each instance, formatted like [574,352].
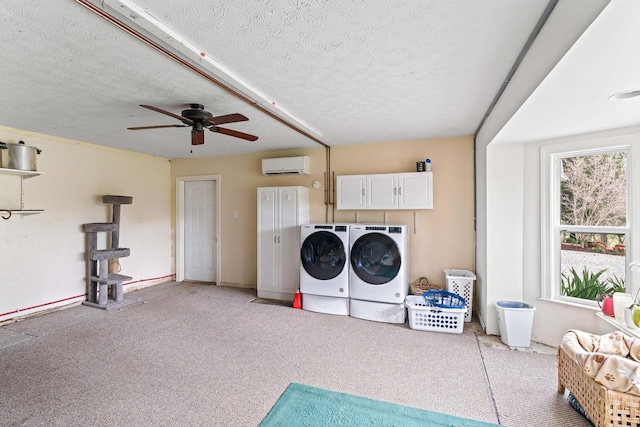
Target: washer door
[323,256]
[375,258]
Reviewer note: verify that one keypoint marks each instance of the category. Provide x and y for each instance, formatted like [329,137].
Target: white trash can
[516,321]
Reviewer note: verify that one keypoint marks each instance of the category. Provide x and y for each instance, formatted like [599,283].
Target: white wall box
[23,175]
[410,190]
[281,211]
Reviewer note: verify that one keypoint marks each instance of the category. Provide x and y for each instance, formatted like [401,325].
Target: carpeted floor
[202,355]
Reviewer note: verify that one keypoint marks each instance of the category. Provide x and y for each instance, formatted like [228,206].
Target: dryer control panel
[391,229]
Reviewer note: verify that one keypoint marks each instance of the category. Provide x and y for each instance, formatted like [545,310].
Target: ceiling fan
[199,120]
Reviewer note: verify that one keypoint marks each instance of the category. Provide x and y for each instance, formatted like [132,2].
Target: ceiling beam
[241,90]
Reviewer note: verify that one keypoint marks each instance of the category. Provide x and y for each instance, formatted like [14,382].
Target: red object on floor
[297,299]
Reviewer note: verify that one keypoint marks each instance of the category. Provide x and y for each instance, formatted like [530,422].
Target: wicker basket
[422,285]
[603,407]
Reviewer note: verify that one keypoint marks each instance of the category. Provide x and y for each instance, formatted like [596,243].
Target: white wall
[513,256]
[481,235]
[513,266]
[497,280]
[440,238]
[43,256]
[503,277]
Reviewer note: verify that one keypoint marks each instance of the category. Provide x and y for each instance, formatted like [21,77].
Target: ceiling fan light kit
[199,119]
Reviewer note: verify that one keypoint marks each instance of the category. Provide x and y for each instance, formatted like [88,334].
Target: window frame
[551,226]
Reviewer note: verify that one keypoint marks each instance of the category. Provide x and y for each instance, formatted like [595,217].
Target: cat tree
[101,282]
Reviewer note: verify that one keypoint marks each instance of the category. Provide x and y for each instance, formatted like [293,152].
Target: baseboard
[39,312]
[237,285]
[481,320]
[135,286]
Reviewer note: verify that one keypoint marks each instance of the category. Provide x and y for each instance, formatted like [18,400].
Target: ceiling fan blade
[235,133]
[175,116]
[197,138]
[229,118]
[158,127]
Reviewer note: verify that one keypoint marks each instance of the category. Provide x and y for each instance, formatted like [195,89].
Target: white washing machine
[379,272]
[324,268]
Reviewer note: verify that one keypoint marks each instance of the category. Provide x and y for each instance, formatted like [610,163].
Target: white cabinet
[351,192]
[410,190]
[415,190]
[382,191]
[281,211]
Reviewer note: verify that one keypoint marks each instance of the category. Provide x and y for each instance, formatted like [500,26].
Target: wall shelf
[18,172]
[23,175]
[25,211]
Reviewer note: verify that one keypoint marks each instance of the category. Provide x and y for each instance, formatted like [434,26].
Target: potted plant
[588,285]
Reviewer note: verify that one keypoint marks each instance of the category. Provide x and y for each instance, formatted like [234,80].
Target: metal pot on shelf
[22,156]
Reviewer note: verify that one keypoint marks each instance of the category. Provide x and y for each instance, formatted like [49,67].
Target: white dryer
[379,272]
[324,268]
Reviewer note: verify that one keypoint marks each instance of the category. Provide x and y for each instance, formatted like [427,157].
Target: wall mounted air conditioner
[286,166]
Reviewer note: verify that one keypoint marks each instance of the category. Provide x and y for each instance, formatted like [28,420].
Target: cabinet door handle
[395,191]
[278,239]
[363,192]
[399,191]
[275,239]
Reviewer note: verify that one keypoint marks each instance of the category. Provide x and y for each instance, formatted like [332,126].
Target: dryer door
[323,255]
[375,258]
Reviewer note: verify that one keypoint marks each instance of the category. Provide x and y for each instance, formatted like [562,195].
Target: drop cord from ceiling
[532,37]
[95,9]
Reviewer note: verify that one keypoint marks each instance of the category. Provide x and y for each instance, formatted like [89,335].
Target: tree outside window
[592,225]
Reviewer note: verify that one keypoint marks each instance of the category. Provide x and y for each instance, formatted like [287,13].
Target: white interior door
[289,242]
[268,256]
[200,231]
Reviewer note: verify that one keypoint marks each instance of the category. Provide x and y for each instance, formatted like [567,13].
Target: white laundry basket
[424,317]
[461,282]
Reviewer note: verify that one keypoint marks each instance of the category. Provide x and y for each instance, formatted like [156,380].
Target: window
[592,223]
[587,220]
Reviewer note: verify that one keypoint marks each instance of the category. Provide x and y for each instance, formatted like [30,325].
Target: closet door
[281,210]
[268,228]
[289,239]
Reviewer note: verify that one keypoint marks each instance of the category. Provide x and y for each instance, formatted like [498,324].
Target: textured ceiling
[365,71]
[353,71]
